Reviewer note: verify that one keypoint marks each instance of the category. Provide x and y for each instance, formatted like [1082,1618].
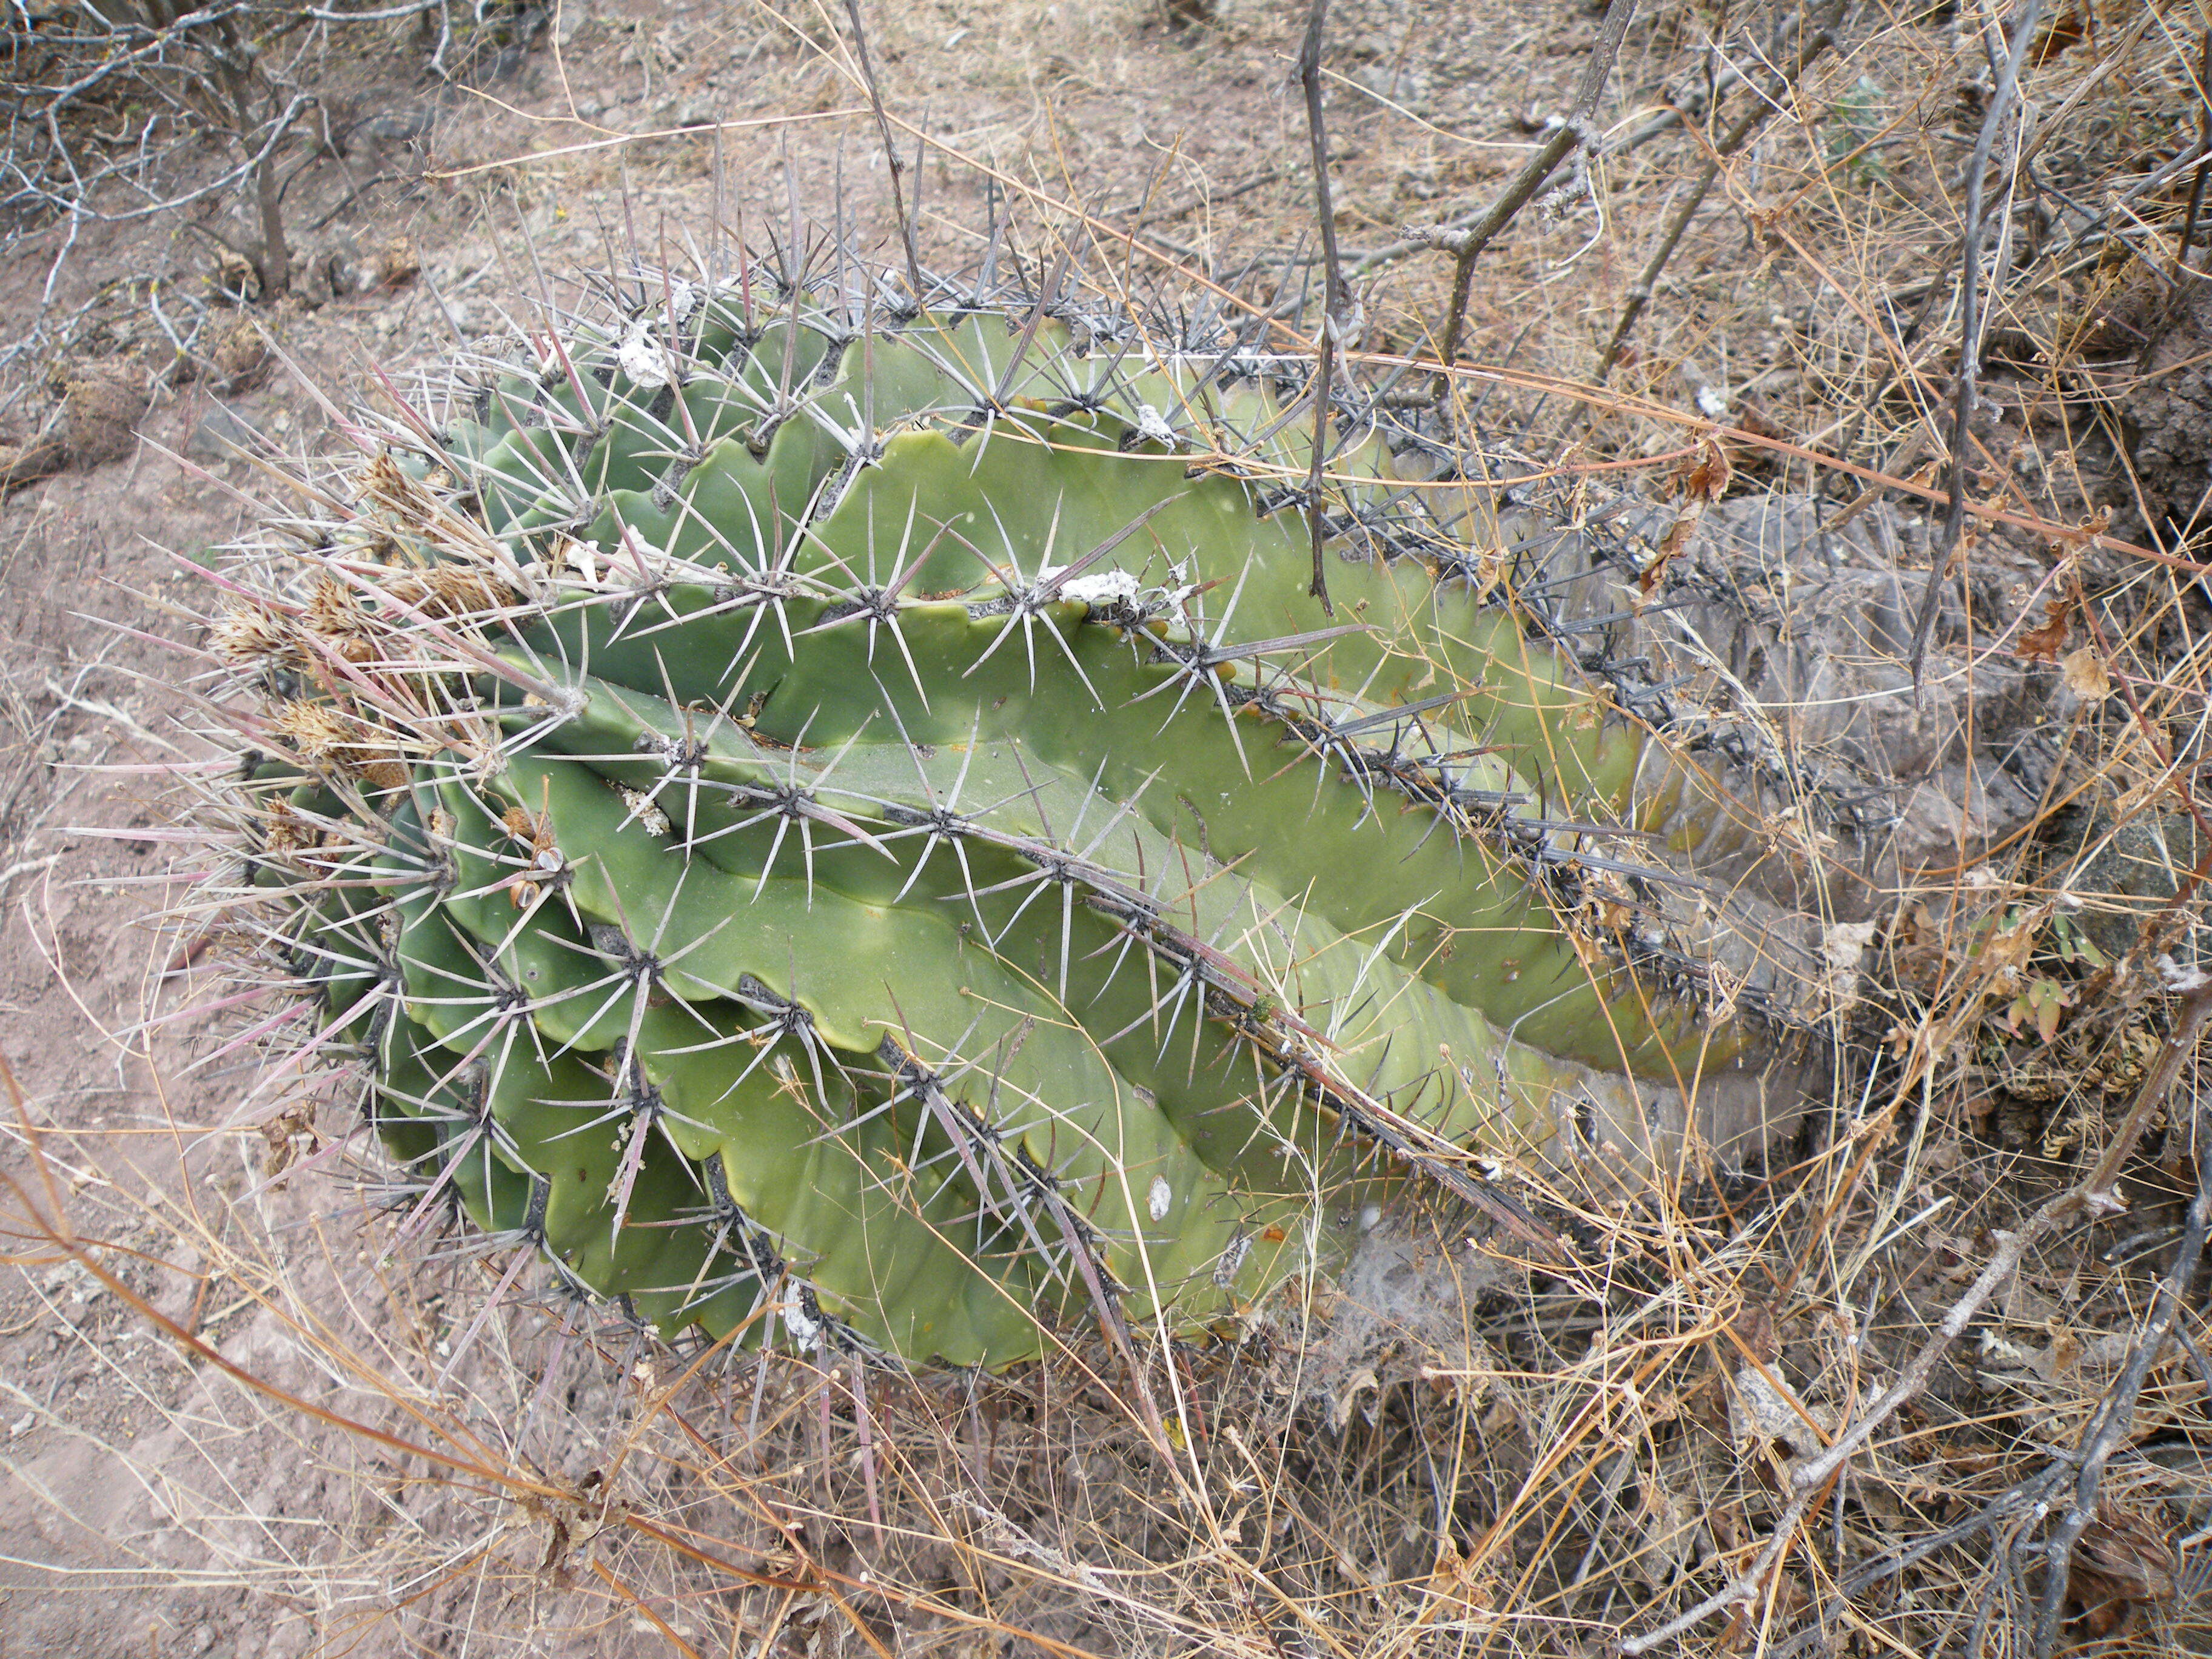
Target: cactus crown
[839,815]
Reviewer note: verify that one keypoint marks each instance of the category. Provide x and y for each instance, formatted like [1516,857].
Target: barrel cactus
[841,819]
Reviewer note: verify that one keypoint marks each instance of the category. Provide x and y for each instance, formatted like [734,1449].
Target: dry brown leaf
[2044,644]
[2085,675]
[1698,478]
[1705,475]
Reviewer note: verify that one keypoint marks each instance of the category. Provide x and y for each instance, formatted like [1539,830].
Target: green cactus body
[858,825]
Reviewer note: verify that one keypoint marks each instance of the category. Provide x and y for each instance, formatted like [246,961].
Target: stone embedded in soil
[2164,405]
[220,435]
[2126,873]
[101,403]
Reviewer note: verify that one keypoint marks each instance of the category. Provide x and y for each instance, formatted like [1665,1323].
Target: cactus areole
[845,824]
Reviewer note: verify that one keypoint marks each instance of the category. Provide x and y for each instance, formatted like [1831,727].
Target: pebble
[218,435]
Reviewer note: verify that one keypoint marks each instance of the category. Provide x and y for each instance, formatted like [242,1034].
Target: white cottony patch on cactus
[590,567]
[805,1328]
[1181,584]
[641,356]
[641,353]
[1100,588]
[1162,1197]
[1153,426]
[650,818]
[570,556]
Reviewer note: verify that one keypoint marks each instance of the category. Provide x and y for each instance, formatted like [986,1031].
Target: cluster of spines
[465,1141]
[452,1156]
[1396,525]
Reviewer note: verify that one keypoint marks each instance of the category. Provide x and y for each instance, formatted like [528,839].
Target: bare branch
[1573,132]
[1969,328]
[2093,1194]
[1764,104]
[1340,319]
[2113,1418]
[890,149]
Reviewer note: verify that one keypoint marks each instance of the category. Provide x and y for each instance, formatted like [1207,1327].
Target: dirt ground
[149,1503]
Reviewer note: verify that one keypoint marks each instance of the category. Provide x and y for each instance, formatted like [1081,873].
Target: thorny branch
[170,78]
[2177,298]
[1340,312]
[1685,106]
[1897,340]
[205,72]
[890,150]
[2113,1418]
[1766,103]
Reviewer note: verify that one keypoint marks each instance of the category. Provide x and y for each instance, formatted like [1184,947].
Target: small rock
[219,436]
[2126,874]
[1396,86]
[397,126]
[397,262]
[234,277]
[240,358]
[101,403]
[343,266]
[318,281]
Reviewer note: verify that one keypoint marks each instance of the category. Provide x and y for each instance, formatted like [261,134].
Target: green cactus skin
[855,824]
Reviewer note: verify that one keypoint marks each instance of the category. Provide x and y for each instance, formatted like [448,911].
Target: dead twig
[2113,1418]
[2178,298]
[1764,105]
[890,149]
[1340,312]
[1970,321]
[1574,132]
